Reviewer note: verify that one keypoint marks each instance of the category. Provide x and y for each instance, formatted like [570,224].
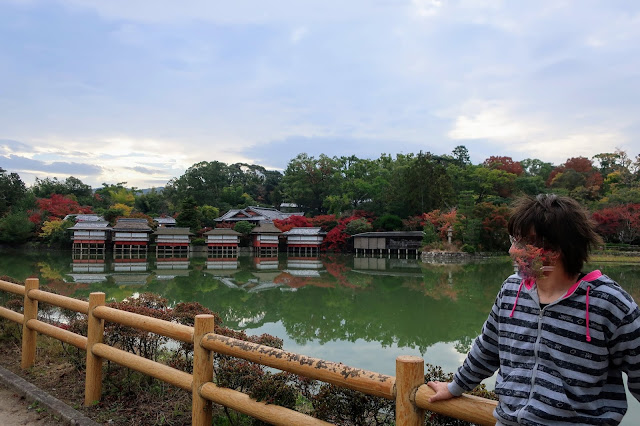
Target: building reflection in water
[172,264]
[130,267]
[304,266]
[88,267]
[265,263]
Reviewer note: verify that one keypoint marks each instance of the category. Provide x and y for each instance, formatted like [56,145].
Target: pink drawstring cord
[587,315]
[516,301]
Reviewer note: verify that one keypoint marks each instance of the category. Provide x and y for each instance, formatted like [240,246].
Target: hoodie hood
[529,283]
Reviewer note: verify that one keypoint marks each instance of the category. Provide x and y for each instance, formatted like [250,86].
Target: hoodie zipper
[536,351]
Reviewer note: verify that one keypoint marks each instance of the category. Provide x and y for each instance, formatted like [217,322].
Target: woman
[560,338]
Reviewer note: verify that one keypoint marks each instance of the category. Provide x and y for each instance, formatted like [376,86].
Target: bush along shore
[131,398]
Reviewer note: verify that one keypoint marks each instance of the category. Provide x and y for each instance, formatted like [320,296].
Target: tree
[292,222]
[535,167]
[244,227]
[358,226]
[493,231]
[362,184]
[116,211]
[71,186]
[58,206]
[325,222]
[111,194]
[619,223]
[504,163]
[578,178]
[461,155]
[485,182]
[188,216]
[388,222]
[55,232]
[442,221]
[12,190]
[15,228]
[530,185]
[309,181]
[419,184]
[208,215]
[152,203]
[204,182]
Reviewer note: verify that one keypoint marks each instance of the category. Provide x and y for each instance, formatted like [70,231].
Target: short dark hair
[560,224]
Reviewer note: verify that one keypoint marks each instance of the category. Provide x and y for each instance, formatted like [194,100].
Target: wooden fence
[407,388]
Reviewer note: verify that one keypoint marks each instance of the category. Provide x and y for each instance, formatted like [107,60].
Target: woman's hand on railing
[441,391]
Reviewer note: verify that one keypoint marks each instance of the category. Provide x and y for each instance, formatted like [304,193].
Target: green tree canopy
[12,190]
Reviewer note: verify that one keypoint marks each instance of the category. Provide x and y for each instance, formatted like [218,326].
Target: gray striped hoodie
[562,364]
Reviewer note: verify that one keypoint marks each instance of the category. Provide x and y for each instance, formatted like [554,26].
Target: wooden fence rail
[407,388]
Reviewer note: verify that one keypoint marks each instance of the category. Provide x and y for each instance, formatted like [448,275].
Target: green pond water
[363,312]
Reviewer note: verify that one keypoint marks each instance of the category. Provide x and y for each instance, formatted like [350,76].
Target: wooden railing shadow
[407,388]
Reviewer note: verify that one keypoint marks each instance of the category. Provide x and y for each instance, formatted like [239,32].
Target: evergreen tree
[188,216]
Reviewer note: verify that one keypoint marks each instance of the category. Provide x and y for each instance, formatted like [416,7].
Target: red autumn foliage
[579,164]
[326,221]
[337,238]
[35,218]
[339,271]
[413,223]
[494,226]
[442,221]
[594,181]
[292,222]
[620,223]
[58,206]
[504,163]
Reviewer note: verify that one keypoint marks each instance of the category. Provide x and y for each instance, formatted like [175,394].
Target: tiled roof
[266,228]
[255,213]
[222,231]
[413,234]
[85,217]
[173,231]
[304,231]
[103,224]
[165,220]
[129,224]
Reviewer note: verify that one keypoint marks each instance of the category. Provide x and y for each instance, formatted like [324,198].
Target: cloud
[18,163]
[427,8]
[298,34]
[146,89]
[146,170]
[277,154]
[511,128]
[9,146]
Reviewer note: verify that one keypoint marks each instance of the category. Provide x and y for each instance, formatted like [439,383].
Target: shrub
[430,235]
[388,222]
[244,227]
[358,226]
[468,248]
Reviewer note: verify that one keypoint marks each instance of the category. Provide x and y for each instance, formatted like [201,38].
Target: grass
[611,258]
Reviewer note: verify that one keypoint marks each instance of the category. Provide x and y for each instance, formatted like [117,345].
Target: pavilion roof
[222,231]
[132,224]
[101,225]
[173,231]
[266,228]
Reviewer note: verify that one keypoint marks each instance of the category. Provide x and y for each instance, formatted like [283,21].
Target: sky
[139,91]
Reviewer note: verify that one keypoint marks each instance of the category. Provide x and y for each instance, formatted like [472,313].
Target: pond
[363,312]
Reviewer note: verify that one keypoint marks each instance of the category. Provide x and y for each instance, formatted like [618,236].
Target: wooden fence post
[201,410]
[409,376]
[29,336]
[95,334]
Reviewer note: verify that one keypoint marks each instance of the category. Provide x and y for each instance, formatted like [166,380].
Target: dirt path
[15,410]
[22,403]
